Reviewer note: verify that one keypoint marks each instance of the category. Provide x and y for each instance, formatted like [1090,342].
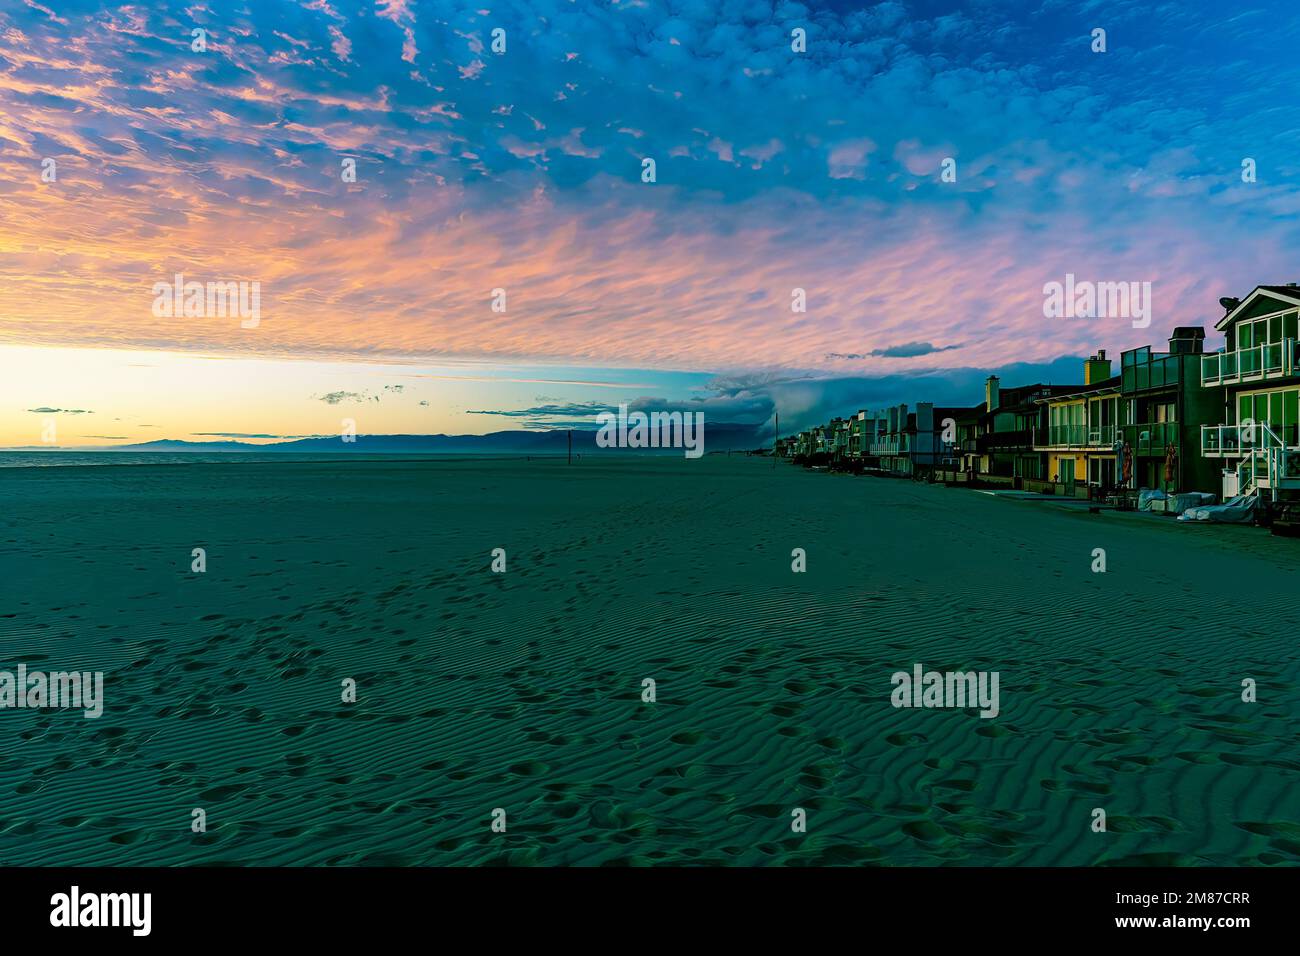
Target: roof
[959,413]
[1103,387]
[1288,293]
[1025,395]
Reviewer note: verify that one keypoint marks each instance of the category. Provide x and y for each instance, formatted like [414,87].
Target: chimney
[1188,339]
[1096,368]
[991,393]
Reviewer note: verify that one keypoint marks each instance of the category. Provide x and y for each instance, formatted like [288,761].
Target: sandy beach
[476,690]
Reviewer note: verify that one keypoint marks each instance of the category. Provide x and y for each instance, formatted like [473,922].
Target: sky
[500,260]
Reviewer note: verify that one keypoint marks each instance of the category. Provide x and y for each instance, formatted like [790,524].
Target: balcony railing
[1219,441]
[1021,439]
[1151,438]
[1080,436]
[1252,364]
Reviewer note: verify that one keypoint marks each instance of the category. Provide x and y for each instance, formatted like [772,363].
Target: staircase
[1270,466]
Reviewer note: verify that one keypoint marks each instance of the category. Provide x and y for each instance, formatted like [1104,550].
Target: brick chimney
[1096,368]
[991,396]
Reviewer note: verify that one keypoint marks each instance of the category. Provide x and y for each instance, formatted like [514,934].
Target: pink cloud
[848,160]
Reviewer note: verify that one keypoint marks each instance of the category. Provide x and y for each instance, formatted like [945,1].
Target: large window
[1278,409]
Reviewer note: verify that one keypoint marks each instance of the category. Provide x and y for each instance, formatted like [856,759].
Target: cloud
[573,408]
[908,350]
[806,401]
[728,404]
[336,398]
[775,171]
[60,411]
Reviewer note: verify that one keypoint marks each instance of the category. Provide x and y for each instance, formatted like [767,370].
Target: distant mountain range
[721,437]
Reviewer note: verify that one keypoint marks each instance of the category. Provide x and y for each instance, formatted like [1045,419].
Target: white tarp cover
[1179,503]
[1238,510]
[1146,496]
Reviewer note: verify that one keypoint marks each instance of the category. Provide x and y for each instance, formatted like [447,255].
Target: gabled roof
[1287,293]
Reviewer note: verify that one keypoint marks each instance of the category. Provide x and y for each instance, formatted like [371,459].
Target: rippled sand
[523,691]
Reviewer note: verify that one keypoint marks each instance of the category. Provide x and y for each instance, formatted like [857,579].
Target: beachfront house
[1164,405]
[934,443]
[837,433]
[893,445]
[1009,428]
[1082,439]
[1256,439]
[969,429]
[819,445]
[864,427]
[956,431]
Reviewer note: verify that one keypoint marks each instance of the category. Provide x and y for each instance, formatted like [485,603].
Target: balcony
[1151,438]
[1080,436]
[1020,440]
[1232,441]
[1257,363]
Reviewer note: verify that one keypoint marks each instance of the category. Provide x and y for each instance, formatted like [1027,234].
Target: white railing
[1268,462]
[1220,440]
[1253,363]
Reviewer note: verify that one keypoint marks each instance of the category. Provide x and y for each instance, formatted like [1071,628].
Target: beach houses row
[1178,419]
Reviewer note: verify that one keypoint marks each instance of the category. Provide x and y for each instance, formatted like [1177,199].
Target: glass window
[1244,335]
[1289,325]
[1275,329]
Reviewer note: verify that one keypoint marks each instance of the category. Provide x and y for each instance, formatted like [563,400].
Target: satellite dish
[1229,303]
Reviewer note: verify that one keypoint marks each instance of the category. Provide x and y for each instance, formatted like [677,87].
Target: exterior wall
[1174,380]
[1065,467]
